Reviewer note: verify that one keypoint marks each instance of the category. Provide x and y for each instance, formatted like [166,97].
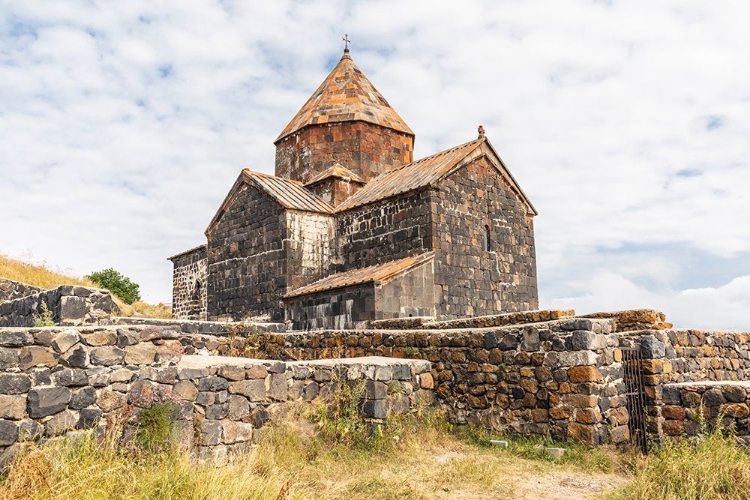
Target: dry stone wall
[562,378]
[12,290]
[682,356]
[69,305]
[692,408]
[56,380]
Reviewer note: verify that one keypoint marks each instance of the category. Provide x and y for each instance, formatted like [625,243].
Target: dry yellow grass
[43,277]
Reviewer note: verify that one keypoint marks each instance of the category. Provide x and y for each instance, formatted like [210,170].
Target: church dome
[346,95]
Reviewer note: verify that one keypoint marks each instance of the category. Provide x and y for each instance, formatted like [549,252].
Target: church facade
[351,229]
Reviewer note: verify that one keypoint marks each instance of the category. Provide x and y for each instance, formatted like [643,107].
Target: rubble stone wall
[692,408]
[474,278]
[69,305]
[55,380]
[11,290]
[682,356]
[563,377]
[189,285]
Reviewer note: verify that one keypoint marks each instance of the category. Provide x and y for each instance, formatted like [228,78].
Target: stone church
[351,229]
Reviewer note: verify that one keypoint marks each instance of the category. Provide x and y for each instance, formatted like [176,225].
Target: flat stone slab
[711,383]
[197,361]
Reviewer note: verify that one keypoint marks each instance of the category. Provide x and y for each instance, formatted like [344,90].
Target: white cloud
[124,124]
[726,306]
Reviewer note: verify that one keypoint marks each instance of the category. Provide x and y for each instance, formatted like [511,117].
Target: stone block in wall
[12,407]
[76,356]
[651,347]
[8,433]
[107,356]
[47,401]
[61,423]
[236,432]
[14,383]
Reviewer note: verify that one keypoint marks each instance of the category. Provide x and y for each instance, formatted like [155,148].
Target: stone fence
[12,290]
[54,380]
[681,356]
[691,408]
[219,328]
[69,306]
[561,377]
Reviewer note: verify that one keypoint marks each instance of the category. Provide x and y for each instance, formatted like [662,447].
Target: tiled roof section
[290,194]
[412,176]
[346,95]
[337,171]
[376,274]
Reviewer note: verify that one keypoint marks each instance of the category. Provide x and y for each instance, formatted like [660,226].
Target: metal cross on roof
[346,42]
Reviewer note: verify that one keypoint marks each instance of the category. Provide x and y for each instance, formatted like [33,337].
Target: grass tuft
[711,467]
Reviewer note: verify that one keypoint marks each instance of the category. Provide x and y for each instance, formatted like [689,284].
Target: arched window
[487,239]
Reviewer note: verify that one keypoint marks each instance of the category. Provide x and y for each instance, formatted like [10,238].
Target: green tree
[118,284]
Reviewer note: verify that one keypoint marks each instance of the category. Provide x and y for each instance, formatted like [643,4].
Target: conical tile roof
[346,95]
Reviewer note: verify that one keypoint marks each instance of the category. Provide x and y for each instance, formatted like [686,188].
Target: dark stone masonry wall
[384,231]
[57,380]
[12,290]
[189,285]
[475,279]
[562,378]
[409,295]
[692,408]
[335,309]
[682,356]
[69,305]
[247,273]
[363,148]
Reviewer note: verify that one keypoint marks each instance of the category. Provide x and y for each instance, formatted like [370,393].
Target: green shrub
[118,284]
[155,429]
[46,318]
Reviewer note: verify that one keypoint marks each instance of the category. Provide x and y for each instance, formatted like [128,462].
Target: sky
[124,124]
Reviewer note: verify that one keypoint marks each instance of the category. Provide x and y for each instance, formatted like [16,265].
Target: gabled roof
[289,194]
[374,274]
[337,171]
[428,171]
[346,95]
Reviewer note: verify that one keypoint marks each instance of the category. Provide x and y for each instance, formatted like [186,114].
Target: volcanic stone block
[14,383]
[254,390]
[83,398]
[140,354]
[8,433]
[60,423]
[64,340]
[276,386]
[12,407]
[236,432]
[210,433]
[36,356]
[375,408]
[651,347]
[15,339]
[107,356]
[88,418]
[47,401]
[76,357]
[213,384]
[71,378]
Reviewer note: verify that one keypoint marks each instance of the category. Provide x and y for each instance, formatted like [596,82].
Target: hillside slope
[43,277]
